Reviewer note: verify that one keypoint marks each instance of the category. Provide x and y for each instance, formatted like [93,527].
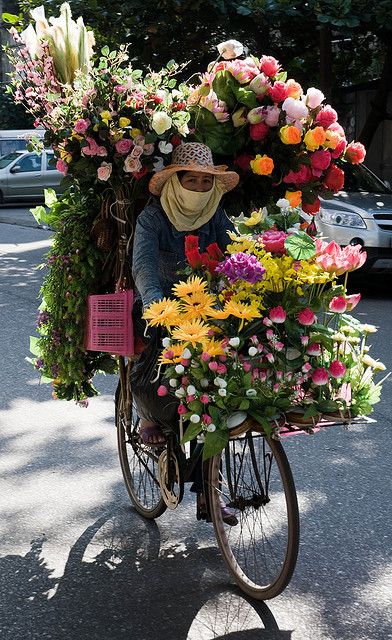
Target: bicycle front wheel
[253,476]
[139,465]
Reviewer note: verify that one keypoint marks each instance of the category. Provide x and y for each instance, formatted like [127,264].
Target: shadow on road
[117,585]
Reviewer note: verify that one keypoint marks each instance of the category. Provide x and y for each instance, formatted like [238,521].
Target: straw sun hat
[193,156]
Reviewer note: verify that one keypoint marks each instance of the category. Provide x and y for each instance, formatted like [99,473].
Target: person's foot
[228,514]
[151,434]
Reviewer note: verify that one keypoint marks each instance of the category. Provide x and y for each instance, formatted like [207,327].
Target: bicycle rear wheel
[139,465]
[253,476]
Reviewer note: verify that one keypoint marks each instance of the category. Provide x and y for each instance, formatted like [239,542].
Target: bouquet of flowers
[265,330]
[283,140]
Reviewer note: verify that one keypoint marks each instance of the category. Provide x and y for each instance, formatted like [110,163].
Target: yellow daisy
[218,314]
[194,284]
[165,311]
[197,305]
[213,347]
[176,349]
[242,310]
[191,331]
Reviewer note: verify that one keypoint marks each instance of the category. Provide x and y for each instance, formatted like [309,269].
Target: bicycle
[253,477]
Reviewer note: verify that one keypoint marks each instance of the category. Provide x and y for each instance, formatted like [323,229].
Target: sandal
[228,514]
[152,435]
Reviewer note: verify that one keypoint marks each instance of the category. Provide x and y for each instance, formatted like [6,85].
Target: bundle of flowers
[106,122]
[285,141]
[266,331]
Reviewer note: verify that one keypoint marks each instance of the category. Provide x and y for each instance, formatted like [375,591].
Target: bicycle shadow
[121,581]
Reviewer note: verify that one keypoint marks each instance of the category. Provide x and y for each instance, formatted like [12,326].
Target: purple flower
[42,319]
[39,363]
[241,266]
[55,370]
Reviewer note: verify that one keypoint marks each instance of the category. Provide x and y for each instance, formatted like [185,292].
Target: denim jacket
[158,249]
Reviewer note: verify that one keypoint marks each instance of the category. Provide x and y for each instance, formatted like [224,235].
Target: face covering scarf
[189,210]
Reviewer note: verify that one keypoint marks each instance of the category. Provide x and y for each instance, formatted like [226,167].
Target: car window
[29,163]
[6,160]
[359,179]
[49,159]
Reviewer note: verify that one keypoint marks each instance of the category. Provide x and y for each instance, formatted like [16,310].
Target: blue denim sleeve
[145,258]
[224,224]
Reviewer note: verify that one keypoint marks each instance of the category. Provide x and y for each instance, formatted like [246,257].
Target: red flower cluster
[209,259]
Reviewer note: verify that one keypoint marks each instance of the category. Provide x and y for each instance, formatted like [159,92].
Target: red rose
[243,161]
[258,131]
[141,173]
[175,140]
[355,153]
[301,176]
[279,91]
[191,242]
[311,208]
[339,149]
[334,178]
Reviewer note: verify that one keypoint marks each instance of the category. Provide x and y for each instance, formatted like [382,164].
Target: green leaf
[300,246]
[191,432]
[244,405]
[34,348]
[225,86]
[50,197]
[215,442]
[136,74]
[215,414]
[246,97]
[196,406]
[105,50]
[10,18]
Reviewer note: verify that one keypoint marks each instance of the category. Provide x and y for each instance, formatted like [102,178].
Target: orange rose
[295,89]
[294,197]
[332,139]
[290,135]
[314,138]
[262,165]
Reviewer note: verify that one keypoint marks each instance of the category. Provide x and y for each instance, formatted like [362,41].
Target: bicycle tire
[253,476]
[139,465]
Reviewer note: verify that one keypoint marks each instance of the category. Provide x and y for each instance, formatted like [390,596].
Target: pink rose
[337,128]
[204,398]
[148,149]
[247,367]
[272,116]
[314,97]
[304,340]
[267,322]
[339,149]
[92,147]
[320,376]
[355,153]
[303,175]
[221,369]
[279,91]
[213,366]
[101,151]
[352,301]
[306,317]
[260,84]
[190,398]
[269,65]
[277,314]
[181,409]
[320,160]
[313,349]
[258,131]
[132,165]
[104,171]
[279,346]
[82,125]
[62,167]
[205,357]
[124,145]
[162,390]
[338,304]
[337,369]
[206,419]
[137,151]
[326,116]
[273,241]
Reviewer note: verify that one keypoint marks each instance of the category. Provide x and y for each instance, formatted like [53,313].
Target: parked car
[24,175]
[360,214]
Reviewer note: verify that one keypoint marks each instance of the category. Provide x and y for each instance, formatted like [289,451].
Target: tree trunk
[326,61]
[378,111]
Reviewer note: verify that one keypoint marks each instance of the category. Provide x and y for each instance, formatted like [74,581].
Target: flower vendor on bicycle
[190,190]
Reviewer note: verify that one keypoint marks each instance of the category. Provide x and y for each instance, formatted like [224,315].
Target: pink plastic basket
[109,326]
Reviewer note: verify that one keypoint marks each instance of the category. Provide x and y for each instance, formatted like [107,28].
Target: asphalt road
[77,562]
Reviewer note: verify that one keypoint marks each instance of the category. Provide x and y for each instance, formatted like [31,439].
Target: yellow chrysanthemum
[219,314]
[242,310]
[165,312]
[213,347]
[192,331]
[197,305]
[194,284]
[176,349]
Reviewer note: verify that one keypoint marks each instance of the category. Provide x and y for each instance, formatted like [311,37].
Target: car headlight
[342,218]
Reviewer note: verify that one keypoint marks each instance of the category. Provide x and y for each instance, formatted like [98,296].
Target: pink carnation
[306,317]
[273,241]
[338,304]
[269,65]
[326,116]
[337,369]
[320,376]
[279,91]
[277,314]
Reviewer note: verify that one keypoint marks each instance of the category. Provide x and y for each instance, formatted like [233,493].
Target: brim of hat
[229,179]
